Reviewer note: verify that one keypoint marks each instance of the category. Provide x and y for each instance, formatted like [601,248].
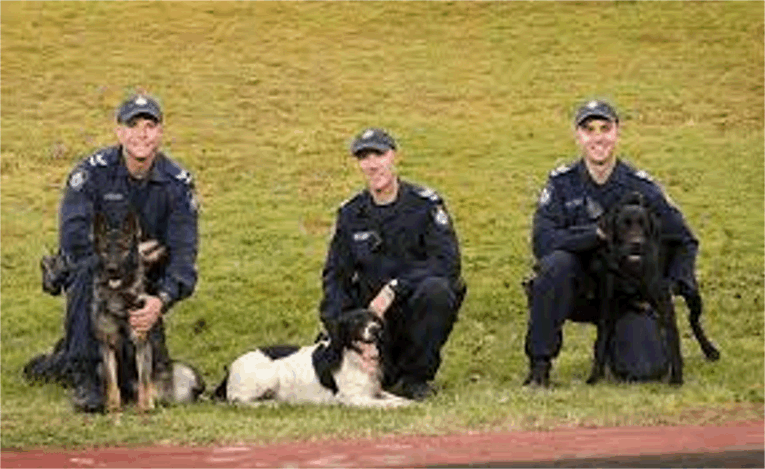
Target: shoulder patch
[440,216]
[545,196]
[78,178]
[184,176]
[564,168]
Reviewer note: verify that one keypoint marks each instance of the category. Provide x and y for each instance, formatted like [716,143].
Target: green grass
[261,100]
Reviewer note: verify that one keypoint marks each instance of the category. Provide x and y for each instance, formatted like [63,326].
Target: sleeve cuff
[166,299]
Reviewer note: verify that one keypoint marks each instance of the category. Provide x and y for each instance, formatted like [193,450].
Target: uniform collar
[618,175]
[156,173]
[404,190]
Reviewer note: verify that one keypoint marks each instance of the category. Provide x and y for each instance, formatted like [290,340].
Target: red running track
[736,444]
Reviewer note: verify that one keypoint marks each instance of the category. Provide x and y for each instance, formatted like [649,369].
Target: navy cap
[137,105]
[373,139]
[595,108]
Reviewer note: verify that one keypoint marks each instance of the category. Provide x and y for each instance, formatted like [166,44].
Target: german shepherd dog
[628,268]
[119,287]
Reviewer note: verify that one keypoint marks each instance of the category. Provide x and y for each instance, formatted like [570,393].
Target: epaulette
[427,193]
[177,172]
[103,157]
[642,175]
[350,199]
[562,169]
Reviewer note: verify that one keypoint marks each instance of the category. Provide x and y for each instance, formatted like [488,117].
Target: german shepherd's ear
[131,227]
[100,227]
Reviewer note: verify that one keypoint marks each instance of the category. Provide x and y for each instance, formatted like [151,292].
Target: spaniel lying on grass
[344,370]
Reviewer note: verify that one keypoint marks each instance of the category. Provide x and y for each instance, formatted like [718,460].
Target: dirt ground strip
[735,444]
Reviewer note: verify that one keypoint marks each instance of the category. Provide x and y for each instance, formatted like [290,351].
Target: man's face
[378,169]
[597,138]
[141,138]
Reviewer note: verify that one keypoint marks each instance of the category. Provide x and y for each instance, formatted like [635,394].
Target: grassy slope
[261,100]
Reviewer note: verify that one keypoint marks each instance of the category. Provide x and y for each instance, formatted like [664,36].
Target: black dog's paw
[592,379]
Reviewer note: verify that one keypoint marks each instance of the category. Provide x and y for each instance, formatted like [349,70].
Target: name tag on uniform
[113,196]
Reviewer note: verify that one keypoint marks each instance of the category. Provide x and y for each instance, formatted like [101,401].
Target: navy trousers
[416,329]
[562,290]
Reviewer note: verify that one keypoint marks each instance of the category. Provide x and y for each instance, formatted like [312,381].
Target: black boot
[412,388]
[48,367]
[539,373]
[87,396]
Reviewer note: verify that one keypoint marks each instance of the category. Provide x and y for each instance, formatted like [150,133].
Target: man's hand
[141,320]
[383,300]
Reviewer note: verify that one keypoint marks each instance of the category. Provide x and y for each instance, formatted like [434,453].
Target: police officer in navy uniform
[565,232]
[133,175]
[395,251]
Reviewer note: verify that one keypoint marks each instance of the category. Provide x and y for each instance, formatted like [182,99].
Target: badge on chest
[369,240]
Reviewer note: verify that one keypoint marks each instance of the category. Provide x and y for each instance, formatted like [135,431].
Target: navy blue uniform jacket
[571,203]
[165,202]
[408,240]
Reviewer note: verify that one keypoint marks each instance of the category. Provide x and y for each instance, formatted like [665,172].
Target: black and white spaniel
[342,370]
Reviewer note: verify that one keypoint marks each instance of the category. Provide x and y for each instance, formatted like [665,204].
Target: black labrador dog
[629,268]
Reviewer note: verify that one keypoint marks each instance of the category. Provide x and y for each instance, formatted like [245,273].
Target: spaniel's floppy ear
[342,334]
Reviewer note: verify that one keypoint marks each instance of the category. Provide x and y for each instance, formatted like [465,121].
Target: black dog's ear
[340,334]
[655,225]
[607,224]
